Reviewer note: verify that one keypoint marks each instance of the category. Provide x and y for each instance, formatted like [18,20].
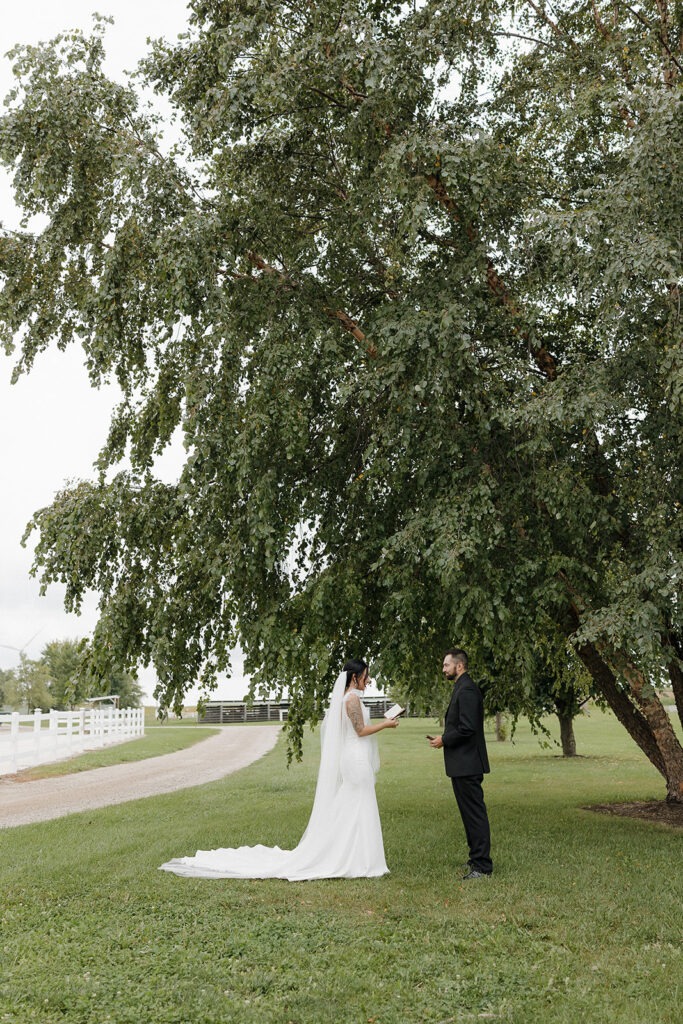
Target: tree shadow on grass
[658,811]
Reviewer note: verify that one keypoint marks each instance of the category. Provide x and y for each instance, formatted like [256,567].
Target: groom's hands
[435,741]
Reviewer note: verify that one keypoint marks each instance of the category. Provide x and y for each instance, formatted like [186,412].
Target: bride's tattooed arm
[355,713]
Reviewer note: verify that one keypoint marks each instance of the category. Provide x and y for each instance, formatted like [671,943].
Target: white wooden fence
[27,740]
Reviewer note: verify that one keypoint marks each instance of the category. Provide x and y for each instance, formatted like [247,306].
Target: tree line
[54,681]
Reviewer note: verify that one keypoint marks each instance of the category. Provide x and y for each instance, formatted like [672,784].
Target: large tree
[409,282]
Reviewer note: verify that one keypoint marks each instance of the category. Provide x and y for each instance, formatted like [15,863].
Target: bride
[343,838]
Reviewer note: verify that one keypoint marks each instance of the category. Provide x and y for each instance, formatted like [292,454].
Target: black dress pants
[470,797]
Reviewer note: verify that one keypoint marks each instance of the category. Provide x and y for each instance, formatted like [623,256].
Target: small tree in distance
[30,685]
[67,689]
[562,689]
[5,683]
[70,683]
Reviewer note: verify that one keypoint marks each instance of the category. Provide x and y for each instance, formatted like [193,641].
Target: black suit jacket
[464,746]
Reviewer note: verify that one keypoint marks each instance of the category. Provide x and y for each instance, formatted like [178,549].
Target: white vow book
[394,711]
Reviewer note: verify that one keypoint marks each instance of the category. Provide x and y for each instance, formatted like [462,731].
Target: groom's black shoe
[475,874]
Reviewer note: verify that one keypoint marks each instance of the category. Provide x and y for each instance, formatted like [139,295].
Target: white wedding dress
[343,838]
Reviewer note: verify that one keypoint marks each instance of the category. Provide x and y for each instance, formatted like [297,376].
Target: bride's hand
[391,723]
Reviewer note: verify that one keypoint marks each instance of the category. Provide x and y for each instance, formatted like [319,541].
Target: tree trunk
[567,735]
[676,677]
[661,725]
[499,726]
[629,715]
[675,644]
[645,719]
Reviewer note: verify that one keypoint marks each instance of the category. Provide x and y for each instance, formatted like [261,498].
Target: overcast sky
[52,423]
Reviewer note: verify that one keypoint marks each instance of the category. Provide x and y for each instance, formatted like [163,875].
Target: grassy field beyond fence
[581,921]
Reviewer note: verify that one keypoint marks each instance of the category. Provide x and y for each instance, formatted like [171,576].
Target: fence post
[14,740]
[37,716]
[53,730]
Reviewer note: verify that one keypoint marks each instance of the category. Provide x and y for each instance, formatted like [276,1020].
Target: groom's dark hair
[457,654]
[354,667]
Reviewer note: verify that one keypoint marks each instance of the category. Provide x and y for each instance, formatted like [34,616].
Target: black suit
[466,761]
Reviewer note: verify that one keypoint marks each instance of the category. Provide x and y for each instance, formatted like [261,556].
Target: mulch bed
[659,811]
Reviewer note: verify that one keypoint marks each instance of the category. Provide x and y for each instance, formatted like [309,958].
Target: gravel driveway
[235,747]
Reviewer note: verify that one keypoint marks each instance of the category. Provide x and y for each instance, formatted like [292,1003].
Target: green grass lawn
[159,741]
[581,921]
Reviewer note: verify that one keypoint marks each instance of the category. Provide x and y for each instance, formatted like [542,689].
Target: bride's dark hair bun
[354,667]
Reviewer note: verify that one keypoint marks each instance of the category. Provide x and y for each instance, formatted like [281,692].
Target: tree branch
[662,38]
[543,359]
[528,39]
[329,97]
[604,32]
[540,13]
[350,325]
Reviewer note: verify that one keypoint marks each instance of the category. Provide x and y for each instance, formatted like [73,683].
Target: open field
[152,722]
[580,922]
[153,744]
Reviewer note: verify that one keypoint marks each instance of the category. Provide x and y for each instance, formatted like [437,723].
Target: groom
[464,749]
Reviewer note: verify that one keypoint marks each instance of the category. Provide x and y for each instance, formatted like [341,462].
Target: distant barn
[226,711]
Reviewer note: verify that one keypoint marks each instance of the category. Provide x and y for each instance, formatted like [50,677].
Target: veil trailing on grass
[343,838]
